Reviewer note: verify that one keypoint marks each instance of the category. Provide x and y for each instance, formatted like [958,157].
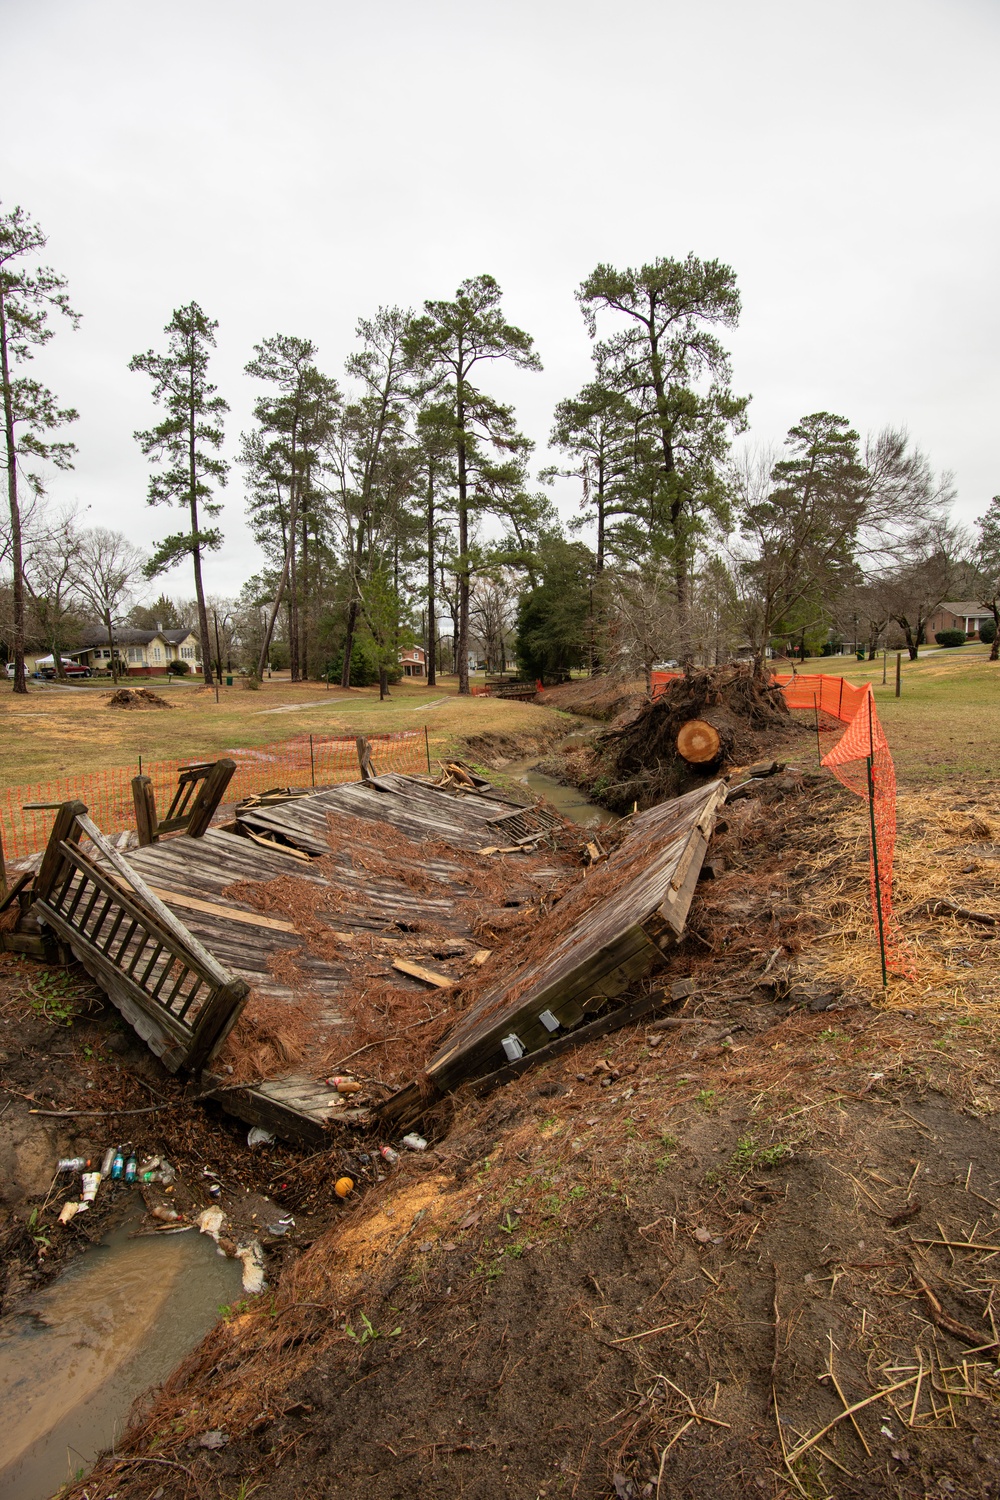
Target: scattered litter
[210,1221]
[388,1155]
[414,1142]
[282,1226]
[703,1236]
[70,1211]
[343,1186]
[72,1164]
[252,1257]
[259,1137]
[91,1182]
[166,1214]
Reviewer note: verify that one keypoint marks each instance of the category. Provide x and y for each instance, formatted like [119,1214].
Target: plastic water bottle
[388,1155]
[118,1166]
[72,1163]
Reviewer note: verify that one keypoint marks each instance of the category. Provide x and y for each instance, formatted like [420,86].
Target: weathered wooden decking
[238,907]
[469,820]
[607,932]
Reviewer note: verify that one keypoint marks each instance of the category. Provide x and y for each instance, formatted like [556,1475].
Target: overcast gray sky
[292,166]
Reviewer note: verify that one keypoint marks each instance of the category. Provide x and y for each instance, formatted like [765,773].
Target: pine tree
[187,441]
[30,411]
[446,345]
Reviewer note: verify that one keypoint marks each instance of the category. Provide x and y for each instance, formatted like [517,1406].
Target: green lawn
[63,733]
[946,722]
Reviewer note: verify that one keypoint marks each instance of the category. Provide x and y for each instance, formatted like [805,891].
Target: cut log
[698,742]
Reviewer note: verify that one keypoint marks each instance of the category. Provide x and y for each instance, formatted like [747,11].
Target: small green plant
[830,1035]
[368,1332]
[705,1098]
[54,997]
[749,1157]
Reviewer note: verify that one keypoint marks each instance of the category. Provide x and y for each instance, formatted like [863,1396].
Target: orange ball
[343,1186]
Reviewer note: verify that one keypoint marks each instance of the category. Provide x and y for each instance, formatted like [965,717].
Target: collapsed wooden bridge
[316,915]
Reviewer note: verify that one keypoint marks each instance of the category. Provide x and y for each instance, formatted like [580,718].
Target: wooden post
[899,669]
[209,797]
[66,827]
[3,870]
[364,757]
[427,747]
[145,810]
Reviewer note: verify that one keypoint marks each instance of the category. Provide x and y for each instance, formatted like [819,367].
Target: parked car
[10,669]
[47,668]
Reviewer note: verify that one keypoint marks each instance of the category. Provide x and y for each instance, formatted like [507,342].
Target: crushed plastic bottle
[388,1155]
[108,1162]
[414,1142]
[72,1164]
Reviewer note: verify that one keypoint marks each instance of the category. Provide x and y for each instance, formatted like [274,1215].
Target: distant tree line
[393,500]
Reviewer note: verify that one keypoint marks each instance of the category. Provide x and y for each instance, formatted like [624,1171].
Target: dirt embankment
[604,698]
[668,1263]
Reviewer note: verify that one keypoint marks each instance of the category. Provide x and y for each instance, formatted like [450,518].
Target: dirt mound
[597,697]
[137,698]
[641,760]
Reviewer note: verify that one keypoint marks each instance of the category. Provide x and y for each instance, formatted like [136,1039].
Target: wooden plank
[428,976]
[229,913]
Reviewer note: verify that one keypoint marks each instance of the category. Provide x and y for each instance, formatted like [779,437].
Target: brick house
[962,614]
[412,661]
[142,653]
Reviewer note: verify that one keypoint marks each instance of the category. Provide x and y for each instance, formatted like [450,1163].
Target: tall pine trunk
[463,544]
[431,642]
[199,590]
[17,559]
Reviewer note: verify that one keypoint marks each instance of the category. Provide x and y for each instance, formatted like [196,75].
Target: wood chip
[417,971]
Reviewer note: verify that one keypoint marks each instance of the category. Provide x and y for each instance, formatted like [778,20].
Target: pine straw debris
[385,897]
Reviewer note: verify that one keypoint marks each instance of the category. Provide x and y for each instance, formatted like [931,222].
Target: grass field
[63,732]
[946,722]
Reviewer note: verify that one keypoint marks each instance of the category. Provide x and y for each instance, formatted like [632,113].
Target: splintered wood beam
[417,971]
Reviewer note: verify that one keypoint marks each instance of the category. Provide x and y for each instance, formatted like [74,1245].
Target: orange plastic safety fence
[321,760]
[861,759]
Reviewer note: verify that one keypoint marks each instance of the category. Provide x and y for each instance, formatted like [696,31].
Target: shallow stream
[77,1354]
[568,800]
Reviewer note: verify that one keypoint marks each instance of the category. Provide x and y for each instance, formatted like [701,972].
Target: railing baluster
[151,965]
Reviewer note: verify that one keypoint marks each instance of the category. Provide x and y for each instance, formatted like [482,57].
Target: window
[157,654]
[135,653]
[188,653]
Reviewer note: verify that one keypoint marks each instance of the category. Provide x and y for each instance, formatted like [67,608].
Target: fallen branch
[940,906]
[940,1319]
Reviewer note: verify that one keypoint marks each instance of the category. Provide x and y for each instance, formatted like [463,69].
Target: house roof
[965,607]
[127,635]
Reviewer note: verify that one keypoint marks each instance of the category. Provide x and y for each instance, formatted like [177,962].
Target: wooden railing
[179,998]
[200,788]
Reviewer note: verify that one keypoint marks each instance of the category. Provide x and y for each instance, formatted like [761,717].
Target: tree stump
[698,742]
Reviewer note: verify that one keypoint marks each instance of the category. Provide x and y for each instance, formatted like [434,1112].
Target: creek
[76,1355]
[567,800]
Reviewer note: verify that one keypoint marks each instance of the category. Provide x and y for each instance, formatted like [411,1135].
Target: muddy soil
[749,1251]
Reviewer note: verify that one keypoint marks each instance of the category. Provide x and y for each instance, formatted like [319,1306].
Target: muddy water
[76,1356]
[567,800]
